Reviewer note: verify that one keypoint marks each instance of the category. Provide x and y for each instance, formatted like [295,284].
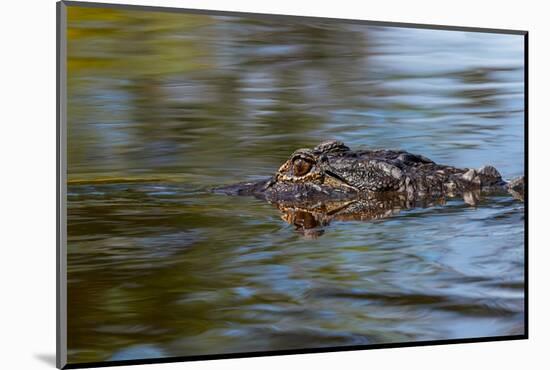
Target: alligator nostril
[269,184]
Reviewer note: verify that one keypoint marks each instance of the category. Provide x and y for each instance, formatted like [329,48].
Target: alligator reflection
[311,218]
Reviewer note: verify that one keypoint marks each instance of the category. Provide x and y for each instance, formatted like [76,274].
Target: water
[162,107]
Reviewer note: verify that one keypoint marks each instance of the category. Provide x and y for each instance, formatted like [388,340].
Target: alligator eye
[301,167]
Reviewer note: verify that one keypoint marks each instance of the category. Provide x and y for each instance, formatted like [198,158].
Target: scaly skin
[332,171]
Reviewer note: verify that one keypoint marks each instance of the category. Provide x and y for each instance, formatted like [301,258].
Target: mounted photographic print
[234,184]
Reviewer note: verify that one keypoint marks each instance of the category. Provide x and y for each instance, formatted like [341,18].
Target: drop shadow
[47,358]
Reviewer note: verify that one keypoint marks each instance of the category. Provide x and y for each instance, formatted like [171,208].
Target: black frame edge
[289,16]
[57,223]
[61,279]
[526,174]
[291,352]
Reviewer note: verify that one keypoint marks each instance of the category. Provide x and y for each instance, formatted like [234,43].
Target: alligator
[331,171]
[333,182]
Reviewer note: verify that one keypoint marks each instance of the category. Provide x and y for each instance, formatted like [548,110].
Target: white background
[27,183]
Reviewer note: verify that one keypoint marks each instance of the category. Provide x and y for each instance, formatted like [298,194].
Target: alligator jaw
[254,188]
[271,190]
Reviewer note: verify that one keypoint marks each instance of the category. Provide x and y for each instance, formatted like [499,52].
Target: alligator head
[328,171]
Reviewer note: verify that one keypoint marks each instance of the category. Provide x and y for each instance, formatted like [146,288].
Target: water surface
[162,107]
